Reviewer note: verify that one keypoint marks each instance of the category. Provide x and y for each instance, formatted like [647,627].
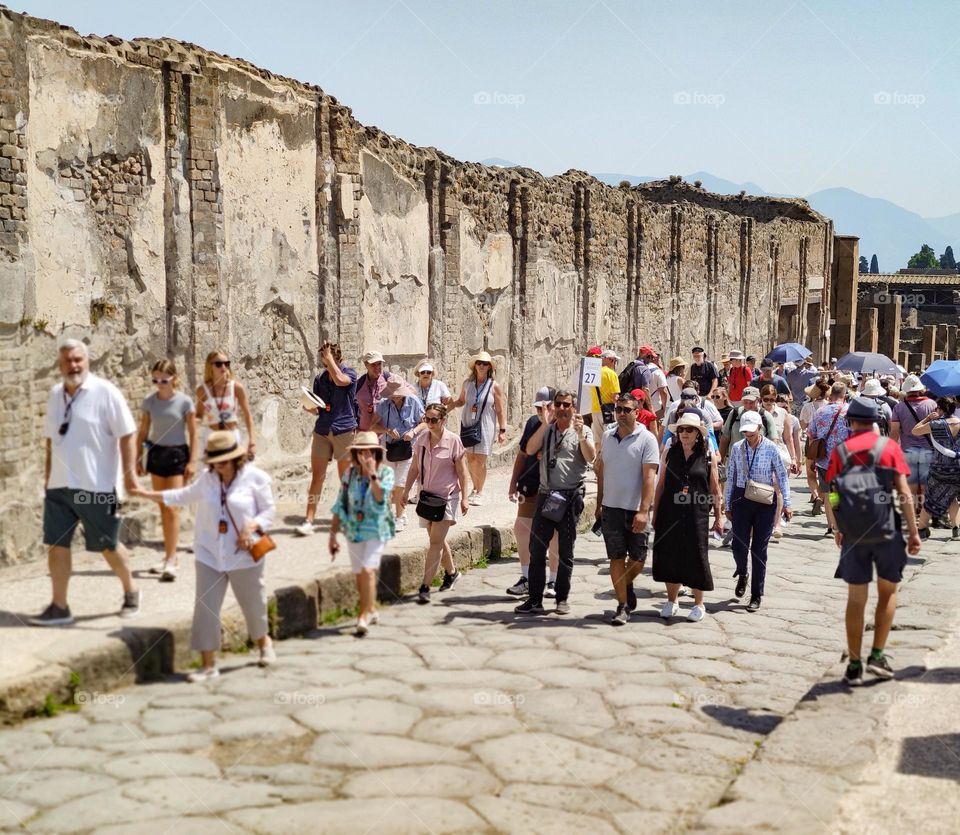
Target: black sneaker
[924,533]
[423,596]
[817,508]
[828,532]
[741,588]
[754,604]
[520,589]
[131,604]
[528,607]
[450,580]
[854,674]
[631,599]
[621,617]
[955,533]
[880,667]
[53,615]
[563,607]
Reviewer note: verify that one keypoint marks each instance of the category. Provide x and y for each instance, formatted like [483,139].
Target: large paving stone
[176,721]
[404,816]
[552,758]
[672,789]
[590,647]
[195,698]
[459,731]
[656,720]
[464,678]
[707,668]
[570,677]
[56,757]
[523,817]
[554,710]
[437,780]
[367,715]
[14,814]
[597,801]
[450,700]
[260,729]
[96,810]
[160,764]
[387,665]
[200,795]
[171,824]
[285,774]
[533,658]
[172,742]
[628,694]
[100,735]
[372,751]
[802,739]
[445,657]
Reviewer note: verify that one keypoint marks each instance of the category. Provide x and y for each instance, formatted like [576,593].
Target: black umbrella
[866,362]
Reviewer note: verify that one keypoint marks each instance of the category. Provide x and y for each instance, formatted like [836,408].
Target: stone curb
[797,778]
[144,654]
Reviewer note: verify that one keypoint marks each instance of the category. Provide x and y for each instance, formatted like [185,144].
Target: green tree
[925,259]
[947,261]
[864,266]
[874,264]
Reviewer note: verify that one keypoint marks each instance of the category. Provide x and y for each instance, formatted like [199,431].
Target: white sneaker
[203,674]
[401,523]
[476,499]
[696,613]
[361,629]
[374,618]
[304,530]
[169,573]
[267,654]
[670,609]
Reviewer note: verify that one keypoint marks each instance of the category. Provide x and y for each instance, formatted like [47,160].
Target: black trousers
[541,533]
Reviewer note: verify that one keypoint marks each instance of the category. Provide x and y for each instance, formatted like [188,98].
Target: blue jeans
[752,526]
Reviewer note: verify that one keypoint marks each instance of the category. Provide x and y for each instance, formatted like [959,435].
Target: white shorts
[400,470]
[365,554]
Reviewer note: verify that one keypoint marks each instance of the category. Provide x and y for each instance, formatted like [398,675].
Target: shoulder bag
[756,491]
[263,545]
[817,447]
[916,420]
[470,436]
[399,450]
[430,506]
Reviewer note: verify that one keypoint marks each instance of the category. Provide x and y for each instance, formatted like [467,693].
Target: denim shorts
[64,509]
[618,536]
[919,462]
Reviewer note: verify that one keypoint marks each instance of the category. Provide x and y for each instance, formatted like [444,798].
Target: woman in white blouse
[234,506]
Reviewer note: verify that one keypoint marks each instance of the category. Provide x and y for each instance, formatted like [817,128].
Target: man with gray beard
[89,431]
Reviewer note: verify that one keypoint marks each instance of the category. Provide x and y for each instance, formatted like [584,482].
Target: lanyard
[478,392]
[224,510]
[423,397]
[555,447]
[68,409]
[748,458]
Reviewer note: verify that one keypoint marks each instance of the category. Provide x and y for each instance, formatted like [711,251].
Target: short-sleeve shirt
[738,378]
[731,426]
[362,517]
[859,445]
[562,465]
[778,382]
[438,472]
[168,418]
[658,380]
[340,415]
[402,419]
[87,456]
[646,417]
[799,379]
[435,393]
[528,480]
[820,428]
[704,374]
[609,388]
[923,406]
[623,460]
[369,395]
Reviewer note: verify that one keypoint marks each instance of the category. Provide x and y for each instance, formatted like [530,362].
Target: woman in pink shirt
[439,462]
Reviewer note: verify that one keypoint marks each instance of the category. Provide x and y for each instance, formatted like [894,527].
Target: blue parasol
[942,378]
[789,352]
[866,362]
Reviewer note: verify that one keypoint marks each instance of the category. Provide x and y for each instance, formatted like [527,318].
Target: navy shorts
[63,508]
[618,536]
[857,562]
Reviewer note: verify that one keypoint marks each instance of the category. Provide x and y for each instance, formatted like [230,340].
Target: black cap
[765,363]
[751,358]
[696,349]
[863,408]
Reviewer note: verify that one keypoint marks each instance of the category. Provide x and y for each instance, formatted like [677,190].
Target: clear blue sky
[795,95]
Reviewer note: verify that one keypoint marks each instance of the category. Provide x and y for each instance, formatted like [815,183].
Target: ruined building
[157,199]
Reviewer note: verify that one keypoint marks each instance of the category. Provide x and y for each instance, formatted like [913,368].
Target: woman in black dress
[688,484]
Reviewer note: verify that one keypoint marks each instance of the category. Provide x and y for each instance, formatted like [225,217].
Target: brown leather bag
[263,546]
[816,448]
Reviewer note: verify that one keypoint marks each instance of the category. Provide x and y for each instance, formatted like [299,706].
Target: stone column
[952,348]
[929,343]
[866,335]
[888,326]
[846,256]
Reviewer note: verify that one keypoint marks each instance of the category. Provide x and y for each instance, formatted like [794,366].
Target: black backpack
[865,513]
[628,376]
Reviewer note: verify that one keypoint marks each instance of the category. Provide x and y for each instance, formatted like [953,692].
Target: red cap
[640,395]
[595,351]
[646,350]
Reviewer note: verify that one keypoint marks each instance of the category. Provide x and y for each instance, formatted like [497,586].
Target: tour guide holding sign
[598,374]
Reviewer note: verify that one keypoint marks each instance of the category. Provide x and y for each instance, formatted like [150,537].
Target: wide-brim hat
[872,388]
[689,419]
[365,440]
[736,355]
[813,391]
[912,384]
[223,446]
[398,387]
[676,362]
[483,356]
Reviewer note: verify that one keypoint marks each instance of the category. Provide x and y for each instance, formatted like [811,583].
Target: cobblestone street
[459,716]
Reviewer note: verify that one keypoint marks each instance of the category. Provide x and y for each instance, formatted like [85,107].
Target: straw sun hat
[223,446]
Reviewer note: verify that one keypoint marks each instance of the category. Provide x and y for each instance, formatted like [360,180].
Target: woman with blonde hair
[482,421]
[219,398]
[429,388]
[168,430]
[235,507]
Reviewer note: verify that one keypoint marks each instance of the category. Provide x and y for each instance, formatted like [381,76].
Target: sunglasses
[562,405]
[222,363]
[481,362]
[769,399]
[432,420]
[162,382]
[717,397]
[425,373]
[682,429]
[623,410]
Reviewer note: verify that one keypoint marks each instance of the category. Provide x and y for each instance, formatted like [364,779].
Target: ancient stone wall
[157,199]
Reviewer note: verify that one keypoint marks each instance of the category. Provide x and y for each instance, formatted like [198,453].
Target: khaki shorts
[326,447]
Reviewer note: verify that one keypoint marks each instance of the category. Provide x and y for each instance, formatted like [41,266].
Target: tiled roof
[910,280]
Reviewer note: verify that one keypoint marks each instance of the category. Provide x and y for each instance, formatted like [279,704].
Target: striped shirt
[362,517]
[764,468]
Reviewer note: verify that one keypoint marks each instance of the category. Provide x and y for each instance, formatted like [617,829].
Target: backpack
[628,377]
[864,512]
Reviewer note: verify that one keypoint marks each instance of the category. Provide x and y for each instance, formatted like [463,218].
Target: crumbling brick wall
[158,199]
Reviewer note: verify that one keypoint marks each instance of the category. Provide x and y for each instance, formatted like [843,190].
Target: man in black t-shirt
[703,371]
[524,487]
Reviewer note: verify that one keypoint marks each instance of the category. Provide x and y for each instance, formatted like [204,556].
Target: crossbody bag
[817,447]
[470,436]
[916,420]
[430,506]
[264,544]
[756,491]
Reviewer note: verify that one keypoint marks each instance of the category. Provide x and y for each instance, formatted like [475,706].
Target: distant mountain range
[884,228]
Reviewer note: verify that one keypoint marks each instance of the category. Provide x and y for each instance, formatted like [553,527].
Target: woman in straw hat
[234,507]
[676,371]
[482,399]
[398,418]
[362,512]
[689,483]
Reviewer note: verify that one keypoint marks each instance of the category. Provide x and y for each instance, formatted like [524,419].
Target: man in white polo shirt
[89,430]
[626,481]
